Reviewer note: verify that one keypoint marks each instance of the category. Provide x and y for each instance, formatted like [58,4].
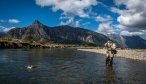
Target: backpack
[114,51]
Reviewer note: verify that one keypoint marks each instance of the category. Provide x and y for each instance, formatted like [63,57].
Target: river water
[67,66]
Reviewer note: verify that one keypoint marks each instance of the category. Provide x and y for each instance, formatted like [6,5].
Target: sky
[121,17]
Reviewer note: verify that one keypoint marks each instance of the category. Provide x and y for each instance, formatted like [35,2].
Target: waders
[109,58]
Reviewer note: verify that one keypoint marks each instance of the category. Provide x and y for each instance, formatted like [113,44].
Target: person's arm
[114,46]
[105,44]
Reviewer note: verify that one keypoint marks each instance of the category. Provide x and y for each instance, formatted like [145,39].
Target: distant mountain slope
[60,34]
[134,42]
[117,39]
[2,34]
[129,41]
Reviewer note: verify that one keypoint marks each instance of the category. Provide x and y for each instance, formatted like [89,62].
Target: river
[67,66]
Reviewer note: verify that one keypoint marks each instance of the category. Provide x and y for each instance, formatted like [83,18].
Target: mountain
[4,29]
[2,34]
[116,39]
[134,42]
[70,35]
[36,30]
[59,34]
[129,41]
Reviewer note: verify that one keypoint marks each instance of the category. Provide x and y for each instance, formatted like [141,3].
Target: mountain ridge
[66,34]
[59,34]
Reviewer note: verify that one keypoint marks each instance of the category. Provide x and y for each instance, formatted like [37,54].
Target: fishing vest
[110,46]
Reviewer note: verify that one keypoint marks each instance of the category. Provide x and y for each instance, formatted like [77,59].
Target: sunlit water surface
[67,66]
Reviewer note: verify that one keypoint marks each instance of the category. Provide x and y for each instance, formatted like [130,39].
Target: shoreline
[135,54]
[19,45]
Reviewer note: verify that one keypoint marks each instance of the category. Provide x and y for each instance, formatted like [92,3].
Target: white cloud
[117,10]
[134,16]
[132,19]
[86,23]
[1,21]
[127,33]
[121,27]
[69,21]
[4,29]
[104,18]
[15,21]
[107,28]
[69,7]
[77,23]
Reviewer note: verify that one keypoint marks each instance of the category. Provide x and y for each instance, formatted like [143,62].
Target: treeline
[16,43]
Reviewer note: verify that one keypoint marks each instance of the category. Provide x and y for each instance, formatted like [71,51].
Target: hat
[109,39]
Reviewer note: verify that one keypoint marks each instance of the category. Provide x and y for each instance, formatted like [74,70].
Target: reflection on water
[67,66]
[110,76]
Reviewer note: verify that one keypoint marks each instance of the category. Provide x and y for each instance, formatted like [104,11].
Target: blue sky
[126,17]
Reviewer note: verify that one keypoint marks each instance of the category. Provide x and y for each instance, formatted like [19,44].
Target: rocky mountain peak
[59,34]
[37,24]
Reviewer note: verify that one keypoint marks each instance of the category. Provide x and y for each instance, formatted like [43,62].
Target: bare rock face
[59,34]
[36,30]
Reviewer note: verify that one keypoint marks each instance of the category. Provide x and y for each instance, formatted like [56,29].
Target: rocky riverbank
[136,54]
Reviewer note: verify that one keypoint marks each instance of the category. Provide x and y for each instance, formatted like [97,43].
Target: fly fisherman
[111,51]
